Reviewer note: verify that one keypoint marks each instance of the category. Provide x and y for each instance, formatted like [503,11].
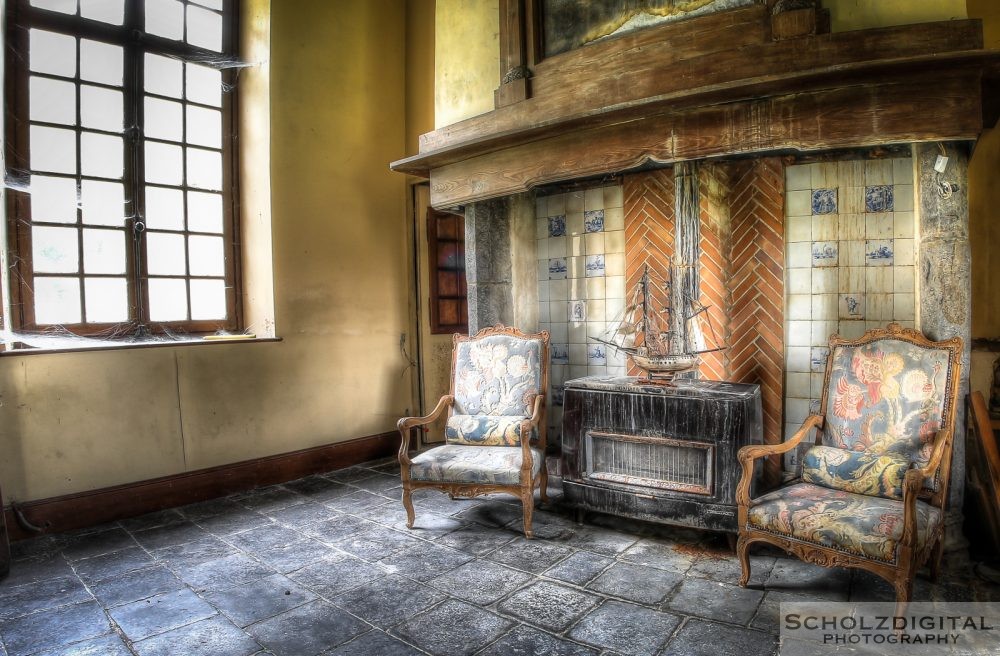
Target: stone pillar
[944,286]
[488,264]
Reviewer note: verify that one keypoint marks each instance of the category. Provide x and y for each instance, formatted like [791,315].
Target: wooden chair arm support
[913,483]
[526,426]
[406,423]
[748,454]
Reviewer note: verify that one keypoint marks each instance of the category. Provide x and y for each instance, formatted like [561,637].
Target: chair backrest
[889,392]
[498,372]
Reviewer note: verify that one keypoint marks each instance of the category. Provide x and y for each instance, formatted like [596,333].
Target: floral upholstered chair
[495,432]
[872,490]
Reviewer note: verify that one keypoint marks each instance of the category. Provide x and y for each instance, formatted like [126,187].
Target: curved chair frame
[525,489]
[908,559]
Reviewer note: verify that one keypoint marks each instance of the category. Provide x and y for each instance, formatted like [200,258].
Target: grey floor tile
[215,636]
[99,568]
[768,612]
[171,535]
[51,593]
[374,643]
[425,564]
[94,544]
[377,542]
[549,605]
[716,601]
[476,538]
[259,600]
[234,522]
[142,619]
[481,582]
[453,628]
[223,572]
[358,501]
[133,586]
[318,488]
[270,498]
[429,500]
[494,514]
[797,577]
[105,645]
[580,568]
[726,568]
[307,630]
[336,528]
[153,520]
[600,540]
[426,525]
[212,508]
[295,555]
[333,576]
[700,638]
[348,474]
[528,641]
[660,554]
[388,601]
[530,555]
[50,629]
[645,585]
[263,538]
[38,547]
[625,628]
[33,570]
[302,514]
[206,547]
[389,486]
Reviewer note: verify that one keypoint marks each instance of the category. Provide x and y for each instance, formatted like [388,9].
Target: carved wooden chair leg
[743,552]
[544,485]
[904,591]
[528,504]
[408,504]
[936,554]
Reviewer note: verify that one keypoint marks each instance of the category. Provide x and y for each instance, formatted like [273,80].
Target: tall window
[122,133]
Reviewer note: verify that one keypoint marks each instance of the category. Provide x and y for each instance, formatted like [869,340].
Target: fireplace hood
[740,82]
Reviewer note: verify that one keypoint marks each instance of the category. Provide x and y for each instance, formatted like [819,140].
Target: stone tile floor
[325,565]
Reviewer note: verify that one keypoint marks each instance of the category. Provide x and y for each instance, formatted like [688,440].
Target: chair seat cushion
[862,472]
[459,463]
[486,430]
[870,527]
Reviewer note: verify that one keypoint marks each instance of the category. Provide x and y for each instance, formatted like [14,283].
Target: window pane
[53,199]
[103,203]
[101,62]
[101,108]
[101,155]
[164,208]
[53,150]
[103,251]
[62,6]
[106,11]
[206,255]
[204,127]
[204,28]
[163,163]
[165,18]
[163,119]
[52,53]
[57,300]
[204,169]
[167,299]
[54,250]
[204,85]
[204,212]
[211,4]
[162,76]
[52,101]
[208,299]
[165,254]
[107,299]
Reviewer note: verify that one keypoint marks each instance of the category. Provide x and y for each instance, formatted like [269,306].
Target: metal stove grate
[657,462]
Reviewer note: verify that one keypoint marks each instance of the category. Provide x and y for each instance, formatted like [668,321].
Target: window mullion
[135,223]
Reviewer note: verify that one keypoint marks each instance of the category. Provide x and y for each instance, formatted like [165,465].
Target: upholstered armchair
[495,431]
[871,491]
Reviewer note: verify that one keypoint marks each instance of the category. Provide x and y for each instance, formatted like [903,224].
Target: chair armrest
[406,423]
[526,425]
[748,454]
[913,483]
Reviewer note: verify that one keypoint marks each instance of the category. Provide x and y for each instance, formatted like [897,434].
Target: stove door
[659,463]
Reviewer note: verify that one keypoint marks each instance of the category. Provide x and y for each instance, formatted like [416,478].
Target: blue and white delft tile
[593,221]
[560,354]
[597,354]
[557,226]
[878,252]
[577,311]
[852,306]
[817,358]
[595,266]
[824,201]
[557,268]
[825,253]
[879,198]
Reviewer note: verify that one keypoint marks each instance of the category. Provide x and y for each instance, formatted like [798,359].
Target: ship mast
[685,278]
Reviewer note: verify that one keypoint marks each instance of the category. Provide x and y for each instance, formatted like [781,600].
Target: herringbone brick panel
[713,198]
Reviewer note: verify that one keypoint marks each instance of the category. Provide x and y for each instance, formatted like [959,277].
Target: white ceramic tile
[557,246]
[850,226]
[559,332]
[614,242]
[799,307]
[797,358]
[575,245]
[595,287]
[879,226]
[815,386]
[824,253]
[542,249]
[903,225]
[851,173]
[903,198]
[594,199]
[577,354]
[616,370]
[903,252]
[798,335]
[878,280]
[903,307]
[574,201]
[799,281]
[576,267]
[614,219]
[613,308]
[825,281]
[878,172]
[797,384]
[612,196]
[824,175]
[820,331]
[543,312]
[543,269]
[616,358]
[852,253]
[824,307]
[541,227]
[556,205]
[596,329]
[595,310]
[798,177]
[543,291]
[597,370]
[796,410]
[851,329]
[872,325]
[541,210]
[852,200]
[577,332]
[908,324]
[578,371]
[852,280]
[615,287]
[614,264]
[797,203]
[558,290]
[902,171]
[578,289]
[799,255]
[879,307]
[557,310]
[902,280]
[879,253]
[798,228]
[825,227]
[595,243]
[851,306]
[574,223]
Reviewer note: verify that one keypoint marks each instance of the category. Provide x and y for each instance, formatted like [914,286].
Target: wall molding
[93,507]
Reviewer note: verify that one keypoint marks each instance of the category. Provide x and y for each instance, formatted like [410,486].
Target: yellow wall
[466,59]
[73,422]
[848,15]
[419,70]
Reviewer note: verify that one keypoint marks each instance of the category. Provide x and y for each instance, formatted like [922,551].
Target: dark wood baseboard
[75,511]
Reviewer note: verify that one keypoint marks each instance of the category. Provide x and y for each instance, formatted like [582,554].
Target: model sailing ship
[662,328]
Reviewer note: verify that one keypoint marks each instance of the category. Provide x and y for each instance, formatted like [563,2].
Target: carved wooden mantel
[722,84]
